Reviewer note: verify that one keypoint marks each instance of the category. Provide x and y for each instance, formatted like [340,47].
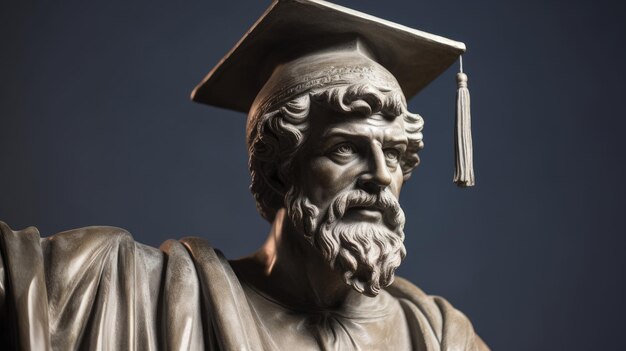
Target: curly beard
[366,254]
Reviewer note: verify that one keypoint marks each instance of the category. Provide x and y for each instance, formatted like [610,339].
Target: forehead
[327,123]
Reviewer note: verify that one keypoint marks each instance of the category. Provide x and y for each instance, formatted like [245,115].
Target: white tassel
[464,173]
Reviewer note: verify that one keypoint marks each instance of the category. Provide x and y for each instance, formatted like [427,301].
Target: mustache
[383,201]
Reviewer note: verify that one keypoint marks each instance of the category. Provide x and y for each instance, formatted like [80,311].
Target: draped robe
[96,288]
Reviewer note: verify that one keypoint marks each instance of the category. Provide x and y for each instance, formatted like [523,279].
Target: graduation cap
[292,29]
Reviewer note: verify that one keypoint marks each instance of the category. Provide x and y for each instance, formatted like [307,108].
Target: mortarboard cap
[290,29]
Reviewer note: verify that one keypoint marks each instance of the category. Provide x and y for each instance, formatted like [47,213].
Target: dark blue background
[97,128]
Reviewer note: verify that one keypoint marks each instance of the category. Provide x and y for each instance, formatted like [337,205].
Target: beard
[365,254]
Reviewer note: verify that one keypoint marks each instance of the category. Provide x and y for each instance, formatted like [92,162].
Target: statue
[331,143]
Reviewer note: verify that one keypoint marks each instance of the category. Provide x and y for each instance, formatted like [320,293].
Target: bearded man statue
[331,143]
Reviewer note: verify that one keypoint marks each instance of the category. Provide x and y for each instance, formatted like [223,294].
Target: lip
[364,214]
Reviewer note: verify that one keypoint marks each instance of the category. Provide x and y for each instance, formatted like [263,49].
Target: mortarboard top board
[292,28]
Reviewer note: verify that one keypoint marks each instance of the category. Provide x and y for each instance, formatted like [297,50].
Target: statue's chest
[281,329]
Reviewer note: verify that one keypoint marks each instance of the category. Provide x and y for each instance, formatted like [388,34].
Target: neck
[292,271]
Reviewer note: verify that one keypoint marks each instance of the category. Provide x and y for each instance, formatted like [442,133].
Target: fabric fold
[25,277]
[231,315]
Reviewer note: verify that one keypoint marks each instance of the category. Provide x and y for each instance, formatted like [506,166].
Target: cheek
[324,179]
[397,181]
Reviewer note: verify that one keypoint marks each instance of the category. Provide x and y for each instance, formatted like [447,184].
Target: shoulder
[72,258]
[438,321]
[95,240]
[74,242]
[95,235]
[92,235]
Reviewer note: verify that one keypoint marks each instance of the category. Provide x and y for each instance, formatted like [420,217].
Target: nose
[377,176]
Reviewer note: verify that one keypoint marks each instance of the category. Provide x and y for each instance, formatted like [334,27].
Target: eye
[344,149]
[392,154]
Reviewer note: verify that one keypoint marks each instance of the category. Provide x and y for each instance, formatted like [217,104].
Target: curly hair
[275,136]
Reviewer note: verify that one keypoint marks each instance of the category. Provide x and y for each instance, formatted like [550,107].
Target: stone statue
[331,143]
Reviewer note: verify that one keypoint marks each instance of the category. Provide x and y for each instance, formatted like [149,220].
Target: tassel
[464,173]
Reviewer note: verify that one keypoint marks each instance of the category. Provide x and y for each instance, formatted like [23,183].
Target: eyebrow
[351,134]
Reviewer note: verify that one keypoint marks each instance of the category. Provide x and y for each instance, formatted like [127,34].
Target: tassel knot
[461,80]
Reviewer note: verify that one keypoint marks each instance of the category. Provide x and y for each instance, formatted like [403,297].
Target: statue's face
[345,152]
[348,179]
